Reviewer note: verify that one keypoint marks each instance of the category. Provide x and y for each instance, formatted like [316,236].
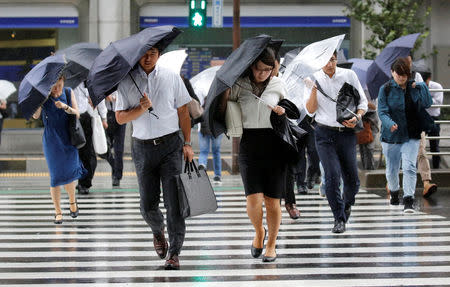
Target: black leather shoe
[301,189]
[339,226]
[173,263]
[58,221]
[83,190]
[115,182]
[310,182]
[347,211]
[269,259]
[256,252]
[74,214]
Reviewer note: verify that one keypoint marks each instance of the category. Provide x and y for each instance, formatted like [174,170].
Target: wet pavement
[109,244]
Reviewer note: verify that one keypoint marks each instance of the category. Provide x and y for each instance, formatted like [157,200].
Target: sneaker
[217,180]
[310,182]
[408,201]
[394,198]
[201,167]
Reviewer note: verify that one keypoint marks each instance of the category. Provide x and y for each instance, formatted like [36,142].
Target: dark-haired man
[157,147]
[335,142]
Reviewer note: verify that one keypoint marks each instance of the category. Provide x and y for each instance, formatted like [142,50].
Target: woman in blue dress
[62,157]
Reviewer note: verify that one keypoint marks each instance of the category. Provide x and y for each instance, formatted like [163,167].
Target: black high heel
[58,221]
[74,214]
[256,252]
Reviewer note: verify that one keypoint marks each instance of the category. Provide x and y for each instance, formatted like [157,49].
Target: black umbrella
[80,58]
[235,65]
[117,60]
[37,83]
[288,57]
[379,71]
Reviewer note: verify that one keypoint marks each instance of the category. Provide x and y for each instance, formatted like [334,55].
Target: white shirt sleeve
[102,111]
[122,102]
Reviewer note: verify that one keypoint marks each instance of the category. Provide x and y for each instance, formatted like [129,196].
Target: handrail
[439,90]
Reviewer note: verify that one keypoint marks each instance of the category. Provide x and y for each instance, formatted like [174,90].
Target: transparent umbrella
[202,82]
[173,60]
[6,89]
[310,60]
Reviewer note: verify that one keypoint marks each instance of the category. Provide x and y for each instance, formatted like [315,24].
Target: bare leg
[56,197]
[70,189]
[273,211]
[255,213]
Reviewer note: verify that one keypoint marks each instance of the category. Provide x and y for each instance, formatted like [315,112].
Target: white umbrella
[311,59]
[173,60]
[202,82]
[6,89]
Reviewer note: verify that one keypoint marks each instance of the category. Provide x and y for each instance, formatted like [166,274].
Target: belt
[156,141]
[339,129]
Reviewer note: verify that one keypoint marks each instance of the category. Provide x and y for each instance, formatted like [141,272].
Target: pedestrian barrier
[444,122]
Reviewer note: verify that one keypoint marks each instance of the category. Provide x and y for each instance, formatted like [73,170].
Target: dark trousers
[434,144]
[157,164]
[87,153]
[337,153]
[308,156]
[116,138]
[289,194]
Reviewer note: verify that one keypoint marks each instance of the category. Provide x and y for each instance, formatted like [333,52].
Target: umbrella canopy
[36,85]
[6,89]
[80,58]
[342,61]
[173,60]
[288,57]
[235,65]
[380,70]
[420,66]
[114,63]
[360,67]
[202,82]
[311,59]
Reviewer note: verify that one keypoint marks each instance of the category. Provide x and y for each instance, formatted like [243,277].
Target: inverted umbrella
[379,71]
[116,61]
[202,82]
[6,89]
[235,65]
[80,58]
[311,59]
[173,60]
[360,67]
[37,83]
[288,57]
[342,61]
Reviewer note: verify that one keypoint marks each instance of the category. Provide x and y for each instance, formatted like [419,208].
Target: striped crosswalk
[110,245]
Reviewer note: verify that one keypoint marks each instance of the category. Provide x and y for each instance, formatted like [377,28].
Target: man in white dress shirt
[336,143]
[157,147]
[87,153]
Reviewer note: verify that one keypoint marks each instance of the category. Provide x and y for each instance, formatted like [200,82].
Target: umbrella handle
[149,109]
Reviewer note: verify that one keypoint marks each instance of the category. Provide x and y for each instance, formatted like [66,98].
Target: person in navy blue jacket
[400,104]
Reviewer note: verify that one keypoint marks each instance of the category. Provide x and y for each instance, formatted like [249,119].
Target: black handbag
[76,132]
[347,103]
[195,192]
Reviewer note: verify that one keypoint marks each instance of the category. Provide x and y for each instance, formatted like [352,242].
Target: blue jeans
[407,153]
[337,153]
[204,142]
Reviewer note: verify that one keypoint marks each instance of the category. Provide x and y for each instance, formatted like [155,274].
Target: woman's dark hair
[401,67]
[267,56]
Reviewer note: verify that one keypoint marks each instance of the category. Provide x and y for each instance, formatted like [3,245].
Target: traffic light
[197,13]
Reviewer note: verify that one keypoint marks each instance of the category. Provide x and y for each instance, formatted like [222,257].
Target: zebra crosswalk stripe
[109,244]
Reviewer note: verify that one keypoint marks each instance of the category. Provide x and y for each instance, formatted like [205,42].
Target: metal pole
[236,43]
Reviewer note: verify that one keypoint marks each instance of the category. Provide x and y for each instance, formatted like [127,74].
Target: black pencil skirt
[261,162]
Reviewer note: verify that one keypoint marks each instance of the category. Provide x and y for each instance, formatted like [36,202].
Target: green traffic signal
[197,13]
